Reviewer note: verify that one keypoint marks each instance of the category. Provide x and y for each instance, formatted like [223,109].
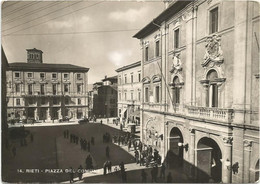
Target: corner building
[45,92]
[129,93]
[200,88]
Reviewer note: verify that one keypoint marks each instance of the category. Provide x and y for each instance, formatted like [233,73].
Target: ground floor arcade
[206,151]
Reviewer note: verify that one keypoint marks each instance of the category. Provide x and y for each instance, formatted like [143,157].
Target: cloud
[118,58]
[59,24]
[131,15]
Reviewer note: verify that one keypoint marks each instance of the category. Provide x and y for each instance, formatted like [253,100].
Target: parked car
[83,120]
[64,119]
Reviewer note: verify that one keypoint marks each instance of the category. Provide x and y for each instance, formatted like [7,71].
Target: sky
[104,32]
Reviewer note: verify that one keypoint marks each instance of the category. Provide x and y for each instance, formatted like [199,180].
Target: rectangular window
[176,95]
[132,78]
[119,80]
[157,48]
[54,89]
[17,75]
[79,76]
[18,102]
[176,38]
[29,75]
[30,90]
[42,89]
[125,79]
[42,101]
[30,101]
[66,88]
[78,88]
[139,77]
[42,75]
[125,97]
[54,76]
[17,88]
[66,76]
[139,95]
[132,95]
[157,94]
[55,101]
[66,101]
[79,101]
[213,21]
[146,54]
[146,95]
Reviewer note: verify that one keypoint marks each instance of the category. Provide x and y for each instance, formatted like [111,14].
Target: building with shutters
[200,88]
[129,93]
[44,91]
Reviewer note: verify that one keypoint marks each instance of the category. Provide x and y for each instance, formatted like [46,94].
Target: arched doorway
[209,160]
[175,153]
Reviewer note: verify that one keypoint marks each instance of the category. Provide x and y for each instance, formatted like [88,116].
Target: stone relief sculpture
[176,63]
[214,54]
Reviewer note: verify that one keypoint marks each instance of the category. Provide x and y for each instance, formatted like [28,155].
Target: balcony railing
[210,113]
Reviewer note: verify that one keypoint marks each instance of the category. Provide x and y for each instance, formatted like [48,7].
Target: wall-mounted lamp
[185,146]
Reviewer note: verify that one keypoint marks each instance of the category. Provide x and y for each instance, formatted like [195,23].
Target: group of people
[84,144]
[107,167]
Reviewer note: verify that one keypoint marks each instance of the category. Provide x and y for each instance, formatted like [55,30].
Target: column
[48,114]
[227,160]
[247,153]
[36,117]
[194,33]
[192,152]
[188,74]
[240,57]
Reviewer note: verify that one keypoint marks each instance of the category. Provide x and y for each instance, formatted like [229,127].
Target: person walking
[169,178]
[107,151]
[71,175]
[144,175]
[80,172]
[109,166]
[105,168]
[101,122]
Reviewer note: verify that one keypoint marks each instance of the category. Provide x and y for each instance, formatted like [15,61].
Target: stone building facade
[105,98]
[200,88]
[129,92]
[45,92]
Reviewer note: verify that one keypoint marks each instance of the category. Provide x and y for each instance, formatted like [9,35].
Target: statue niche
[176,63]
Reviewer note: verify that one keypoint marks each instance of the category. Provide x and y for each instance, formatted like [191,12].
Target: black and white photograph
[130,91]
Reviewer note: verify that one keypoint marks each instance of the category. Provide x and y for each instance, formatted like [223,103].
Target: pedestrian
[129,145]
[107,120]
[31,137]
[109,166]
[101,122]
[143,174]
[80,172]
[14,151]
[169,178]
[107,151]
[105,168]
[122,166]
[162,174]
[71,175]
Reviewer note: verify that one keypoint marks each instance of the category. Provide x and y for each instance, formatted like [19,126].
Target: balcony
[210,113]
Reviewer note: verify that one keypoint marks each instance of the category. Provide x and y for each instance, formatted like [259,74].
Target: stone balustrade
[210,113]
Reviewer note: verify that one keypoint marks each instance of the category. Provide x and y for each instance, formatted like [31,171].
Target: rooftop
[174,8]
[126,67]
[46,67]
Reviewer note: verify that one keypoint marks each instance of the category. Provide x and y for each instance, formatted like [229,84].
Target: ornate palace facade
[44,91]
[200,88]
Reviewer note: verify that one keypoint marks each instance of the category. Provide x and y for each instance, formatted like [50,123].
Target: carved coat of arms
[214,54]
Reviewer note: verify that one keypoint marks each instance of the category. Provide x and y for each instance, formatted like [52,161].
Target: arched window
[212,96]
[176,91]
